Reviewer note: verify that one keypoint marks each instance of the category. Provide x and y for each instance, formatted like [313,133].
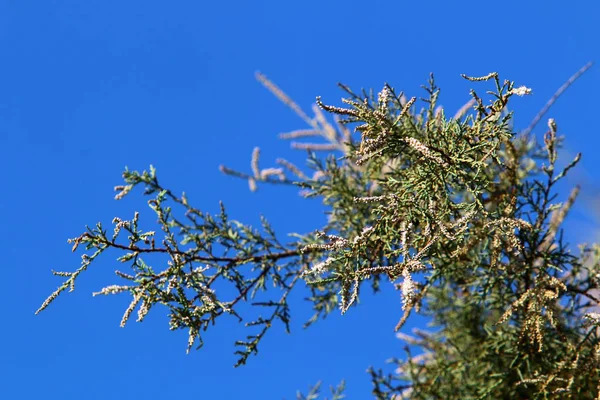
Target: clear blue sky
[88,87]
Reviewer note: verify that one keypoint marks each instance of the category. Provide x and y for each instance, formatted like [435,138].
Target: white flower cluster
[521,91]
[420,147]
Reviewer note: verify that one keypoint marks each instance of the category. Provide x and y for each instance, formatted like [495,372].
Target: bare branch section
[556,96]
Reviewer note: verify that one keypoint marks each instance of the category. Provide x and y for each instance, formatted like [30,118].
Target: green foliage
[337,393]
[458,213]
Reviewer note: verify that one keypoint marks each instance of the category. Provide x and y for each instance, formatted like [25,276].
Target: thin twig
[281,95]
[555,97]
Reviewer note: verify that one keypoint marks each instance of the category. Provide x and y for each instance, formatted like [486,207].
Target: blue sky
[87,88]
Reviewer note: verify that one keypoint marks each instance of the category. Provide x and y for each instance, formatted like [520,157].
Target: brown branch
[236,260]
[245,291]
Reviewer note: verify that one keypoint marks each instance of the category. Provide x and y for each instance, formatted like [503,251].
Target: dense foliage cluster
[459,213]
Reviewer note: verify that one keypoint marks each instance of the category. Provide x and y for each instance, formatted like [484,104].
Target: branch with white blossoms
[184,287]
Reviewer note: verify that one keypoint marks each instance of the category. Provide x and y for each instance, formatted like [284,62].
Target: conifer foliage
[459,213]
